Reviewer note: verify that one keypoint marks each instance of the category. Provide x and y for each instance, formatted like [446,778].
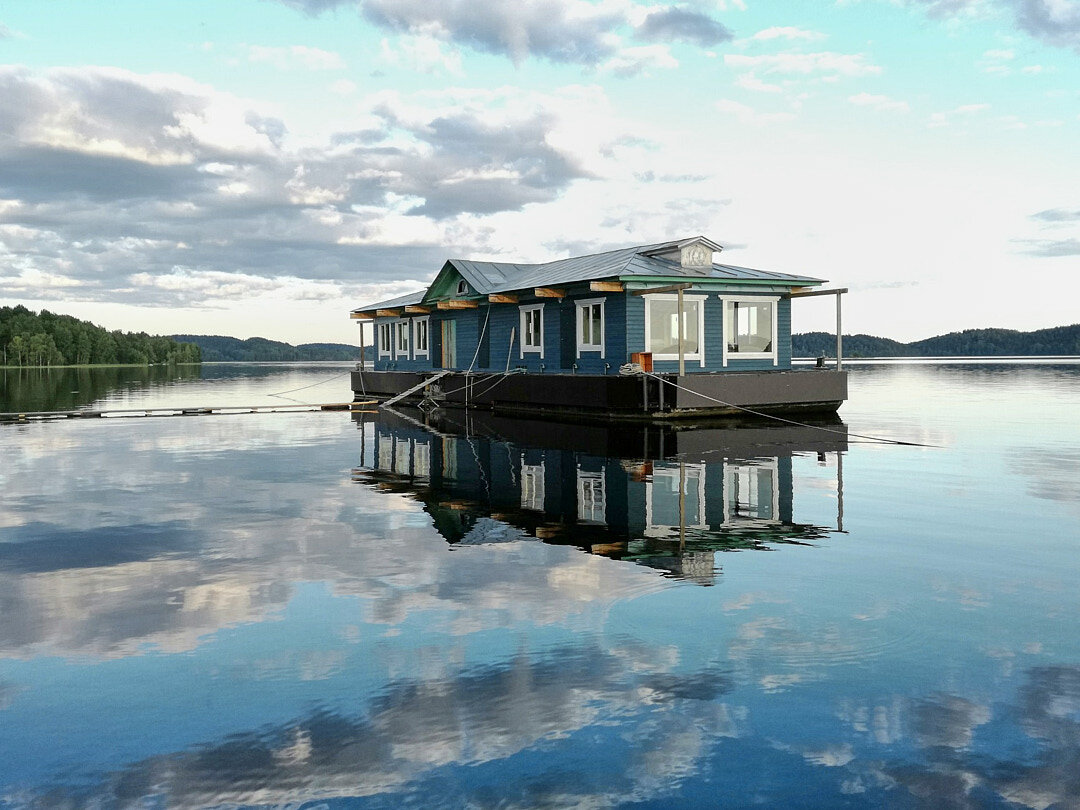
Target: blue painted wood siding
[624,333]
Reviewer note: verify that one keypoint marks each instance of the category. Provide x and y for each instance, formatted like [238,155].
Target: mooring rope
[764,415]
[281,394]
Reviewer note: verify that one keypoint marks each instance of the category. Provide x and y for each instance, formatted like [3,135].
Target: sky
[261,167]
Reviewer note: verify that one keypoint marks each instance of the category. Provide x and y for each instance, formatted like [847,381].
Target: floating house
[646,332]
[667,498]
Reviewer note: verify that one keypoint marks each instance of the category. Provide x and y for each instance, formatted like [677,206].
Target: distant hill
[222,348]
[1058,340]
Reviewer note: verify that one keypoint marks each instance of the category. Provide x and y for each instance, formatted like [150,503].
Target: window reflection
[751,492]
[592,496]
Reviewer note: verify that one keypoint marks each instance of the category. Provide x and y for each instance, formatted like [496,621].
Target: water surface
[269,609]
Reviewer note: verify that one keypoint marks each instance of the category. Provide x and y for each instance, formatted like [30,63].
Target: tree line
[217,348]
[47,339]
[1056,341]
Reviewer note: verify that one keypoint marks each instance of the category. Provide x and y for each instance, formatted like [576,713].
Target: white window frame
[421,462]
[386,338]
[532,486]
[581,306]
[417,351]
[462,287]
[523,349]
[592,497]
[765,468]
[699,355]
[772,355]
[401,329]
[694,475]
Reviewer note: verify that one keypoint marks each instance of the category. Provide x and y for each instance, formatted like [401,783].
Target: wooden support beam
[666,289]
[606,286]
[388,313]
[361,316]
[549,292]
[458,303]
[417,309]
[799,293]
[503,298]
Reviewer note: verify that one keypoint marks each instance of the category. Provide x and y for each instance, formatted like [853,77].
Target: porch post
[839,336]
[682,359]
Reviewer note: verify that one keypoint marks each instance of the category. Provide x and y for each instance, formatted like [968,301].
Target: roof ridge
[635,248]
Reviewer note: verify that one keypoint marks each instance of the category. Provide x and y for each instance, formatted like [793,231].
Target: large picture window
[532,330]
[590,326]
[662,327]
[750,328]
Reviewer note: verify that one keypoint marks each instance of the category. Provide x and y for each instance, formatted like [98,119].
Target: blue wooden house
[708,334]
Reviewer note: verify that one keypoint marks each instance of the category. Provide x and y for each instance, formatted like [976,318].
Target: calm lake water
[345,610]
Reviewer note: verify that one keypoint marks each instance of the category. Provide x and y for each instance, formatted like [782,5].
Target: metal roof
[624,263]
[400,301]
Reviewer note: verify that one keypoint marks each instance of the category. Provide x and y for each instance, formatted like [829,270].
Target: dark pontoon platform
[615,396]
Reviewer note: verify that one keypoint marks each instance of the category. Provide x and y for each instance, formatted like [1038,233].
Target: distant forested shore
[1058,340]
[219,348]
[42,339]
[47,339]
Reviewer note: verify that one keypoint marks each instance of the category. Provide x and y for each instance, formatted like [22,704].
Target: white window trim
[773,355]
[402,324]
[533,496]
[594,483]
[590,347]
[522,348]
[424,353]
[385,346]
[695,477]
[768,467]
[699,355]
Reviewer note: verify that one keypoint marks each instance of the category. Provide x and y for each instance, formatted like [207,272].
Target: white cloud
[826,63]
[295,56]
[882,103]
[748,115]
[787,32]
[343,87]
[422,53]
[632,61]
[749,81]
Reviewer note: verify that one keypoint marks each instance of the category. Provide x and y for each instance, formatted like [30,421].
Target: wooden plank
[388,313]
[361,316]
[666,289]
[808,293]
[606,286]
[549,292]
[502,298]
[415,388]
[417,309]
[458,303]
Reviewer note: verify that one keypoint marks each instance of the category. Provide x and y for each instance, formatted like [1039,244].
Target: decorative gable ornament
[696,256]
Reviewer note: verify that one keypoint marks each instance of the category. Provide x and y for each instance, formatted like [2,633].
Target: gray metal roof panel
[492,277]
[393,303]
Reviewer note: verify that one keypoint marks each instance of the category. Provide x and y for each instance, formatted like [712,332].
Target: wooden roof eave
[643,282]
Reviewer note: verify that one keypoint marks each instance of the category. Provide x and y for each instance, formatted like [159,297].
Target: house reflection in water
[665,497]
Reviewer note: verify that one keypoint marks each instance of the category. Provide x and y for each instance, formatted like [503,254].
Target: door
[449,343]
